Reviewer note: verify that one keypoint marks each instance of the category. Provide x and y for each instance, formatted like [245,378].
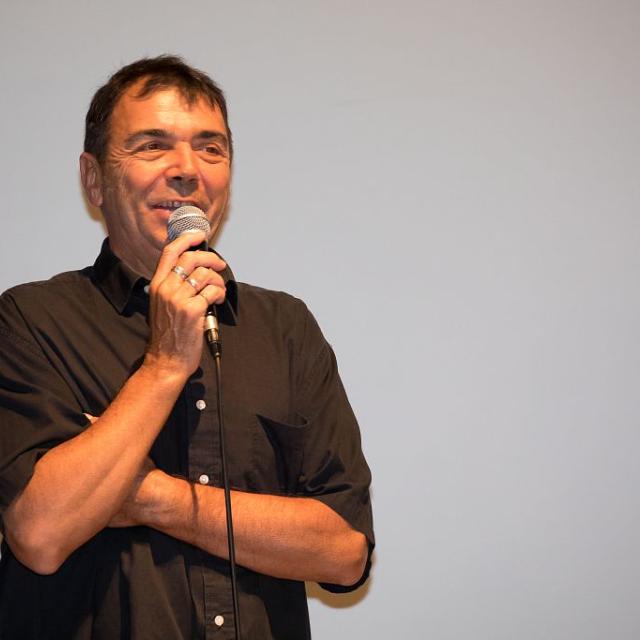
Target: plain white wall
[453,188]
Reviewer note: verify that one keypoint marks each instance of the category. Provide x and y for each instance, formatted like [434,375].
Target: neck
[139,262]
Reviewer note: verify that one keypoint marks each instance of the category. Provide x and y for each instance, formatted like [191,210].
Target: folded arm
[284,537]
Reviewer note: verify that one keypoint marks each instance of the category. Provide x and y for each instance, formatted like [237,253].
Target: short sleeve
[334,467]
[37,408]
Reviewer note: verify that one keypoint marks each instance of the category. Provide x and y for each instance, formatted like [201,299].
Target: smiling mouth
[172,205]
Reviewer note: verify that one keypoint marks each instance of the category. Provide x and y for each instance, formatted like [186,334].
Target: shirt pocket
[287,442]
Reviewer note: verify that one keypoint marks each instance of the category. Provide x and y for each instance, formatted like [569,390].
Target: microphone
[187,219]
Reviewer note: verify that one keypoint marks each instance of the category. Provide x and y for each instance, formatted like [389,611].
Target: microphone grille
[187,219]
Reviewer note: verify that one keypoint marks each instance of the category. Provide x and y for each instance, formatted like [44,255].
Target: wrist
[157,499]
[163,371]
[145,501]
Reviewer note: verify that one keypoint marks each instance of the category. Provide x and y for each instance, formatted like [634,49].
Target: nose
[182,172]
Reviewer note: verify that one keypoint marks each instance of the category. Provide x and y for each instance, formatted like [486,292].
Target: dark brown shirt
[67,345]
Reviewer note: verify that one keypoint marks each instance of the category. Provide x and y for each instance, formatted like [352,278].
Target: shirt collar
[125,289]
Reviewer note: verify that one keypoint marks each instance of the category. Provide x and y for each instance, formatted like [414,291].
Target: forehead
[166,109]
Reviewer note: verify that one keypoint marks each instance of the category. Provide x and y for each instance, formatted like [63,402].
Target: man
[113,518]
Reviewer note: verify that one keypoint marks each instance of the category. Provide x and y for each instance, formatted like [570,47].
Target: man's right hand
[184,285]
[80,486]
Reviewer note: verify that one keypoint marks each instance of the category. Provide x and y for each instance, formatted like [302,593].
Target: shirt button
[203,479]
[146,288]
[200,405]
[219,620]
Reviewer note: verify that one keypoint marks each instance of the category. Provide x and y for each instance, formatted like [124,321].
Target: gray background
[452,187]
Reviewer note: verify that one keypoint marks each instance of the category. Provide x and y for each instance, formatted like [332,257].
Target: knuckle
[161,289]
[213,277]
[216,294]
[186,261]
[210,292]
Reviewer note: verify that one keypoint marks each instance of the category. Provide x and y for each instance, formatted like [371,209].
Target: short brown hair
[162,72]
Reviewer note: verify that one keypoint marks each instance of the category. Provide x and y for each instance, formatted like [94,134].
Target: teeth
[173,204]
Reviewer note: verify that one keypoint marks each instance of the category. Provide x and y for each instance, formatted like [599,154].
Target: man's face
[162,153]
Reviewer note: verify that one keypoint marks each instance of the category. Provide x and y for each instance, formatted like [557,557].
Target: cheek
[139,183]
[218,183]
[135,178]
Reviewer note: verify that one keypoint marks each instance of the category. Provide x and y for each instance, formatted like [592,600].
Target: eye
[211,152]
[212,149]
[152,145]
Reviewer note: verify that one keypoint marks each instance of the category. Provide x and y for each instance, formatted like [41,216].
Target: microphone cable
[212,335]
[184,220]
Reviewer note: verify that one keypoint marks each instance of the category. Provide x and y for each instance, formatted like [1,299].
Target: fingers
[182,274]
[212,294]
[177,252]
[201,288]
[200,279]
[194,264]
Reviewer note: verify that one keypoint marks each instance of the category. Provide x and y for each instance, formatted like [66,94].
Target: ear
[91,177]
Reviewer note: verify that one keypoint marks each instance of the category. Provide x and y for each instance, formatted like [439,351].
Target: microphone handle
[211,327]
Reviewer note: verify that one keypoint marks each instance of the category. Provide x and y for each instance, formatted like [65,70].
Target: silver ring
[193,282]
[178,270]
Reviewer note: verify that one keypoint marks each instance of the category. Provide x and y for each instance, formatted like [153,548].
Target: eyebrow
[145,133]
[213,135]
[134,138]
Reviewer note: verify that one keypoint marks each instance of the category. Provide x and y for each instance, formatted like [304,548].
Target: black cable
[215,347]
